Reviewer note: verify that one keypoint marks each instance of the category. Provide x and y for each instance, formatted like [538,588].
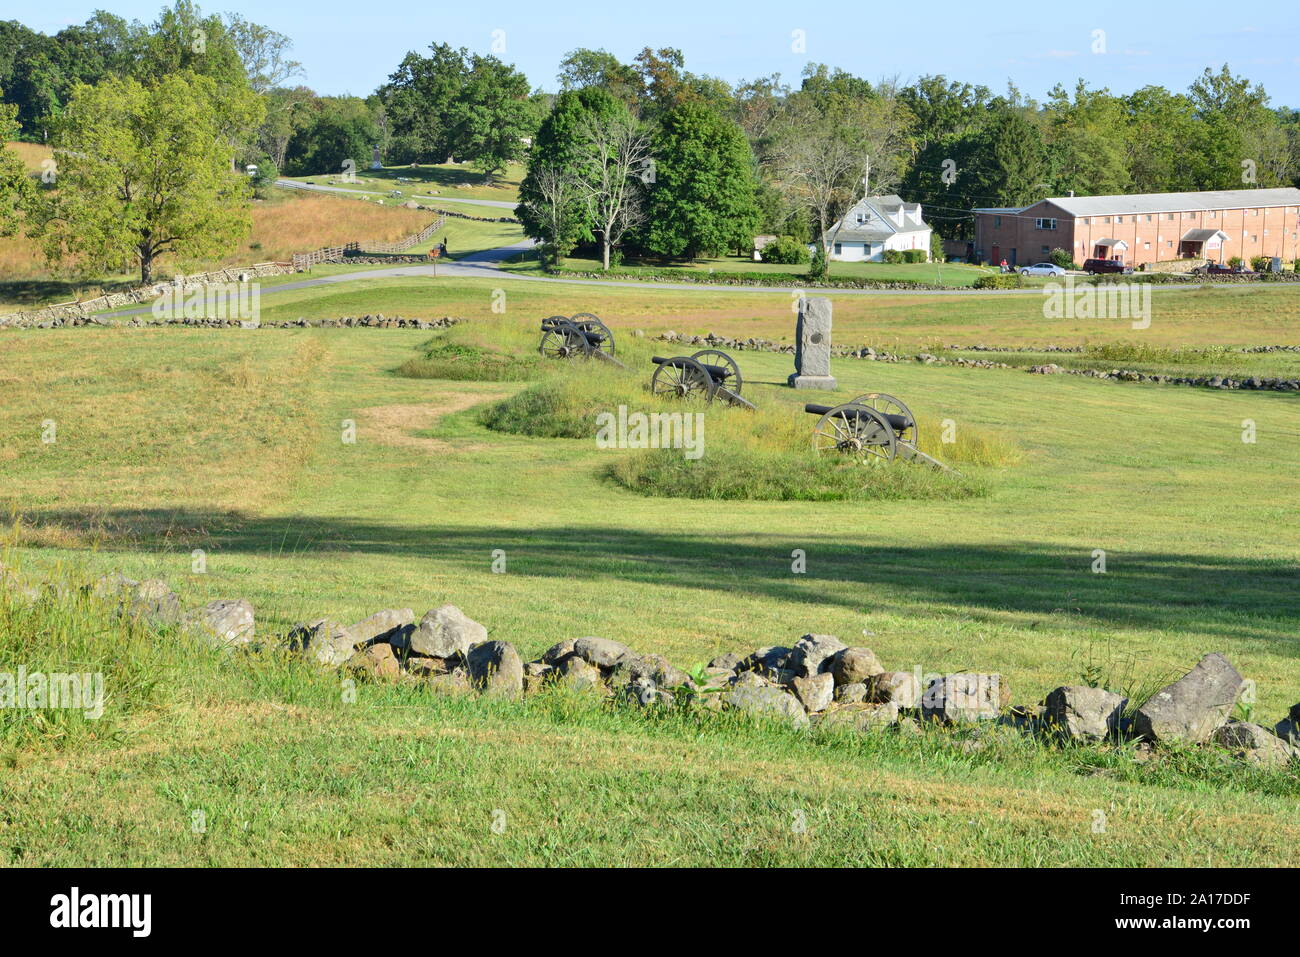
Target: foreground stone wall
[817,680]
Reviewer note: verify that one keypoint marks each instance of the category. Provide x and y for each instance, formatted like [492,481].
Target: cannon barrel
[814,409]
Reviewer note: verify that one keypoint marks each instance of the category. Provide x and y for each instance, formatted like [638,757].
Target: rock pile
[819,680]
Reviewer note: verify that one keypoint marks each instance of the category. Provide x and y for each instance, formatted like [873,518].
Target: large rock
[392,626]
[851,694]
[601,652]
[575,672]
[657,668]
[1192,708]
[226,622]
[766,701]
[898,687]
[496,668]
[153,601]
[1254,744]
[965,697]
[729,661]
[855,666]
[815,693]
[766,660]
[860,717]
[812,654]
[446,632]
[326,642]
[561,649]
[376,661]
[1083,714]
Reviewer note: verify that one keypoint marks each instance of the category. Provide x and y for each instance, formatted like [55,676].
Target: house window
[997,222]
[838,248]
[1084,221]
[1105,219]
[1169,243]
[1254,239]
[1146,245]
[1044,224]
[1213,214]
[1254,212]
[1148,217]
[1119,219]
[1046,252]
[1169,216]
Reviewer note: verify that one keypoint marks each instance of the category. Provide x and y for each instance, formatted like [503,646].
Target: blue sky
[351,47]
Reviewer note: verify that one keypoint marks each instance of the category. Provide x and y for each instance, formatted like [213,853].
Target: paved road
[494,203]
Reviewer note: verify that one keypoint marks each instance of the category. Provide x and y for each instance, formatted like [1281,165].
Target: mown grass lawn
[171,440]
[445,180]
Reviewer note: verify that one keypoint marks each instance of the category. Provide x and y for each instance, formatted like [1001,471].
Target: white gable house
[878,223]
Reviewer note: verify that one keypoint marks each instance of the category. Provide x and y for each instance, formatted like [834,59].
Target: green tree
[557,147]
[144,171]
[491,115]
[16,188]
[337,135]
[1010,160]
[701,199]
[419,98]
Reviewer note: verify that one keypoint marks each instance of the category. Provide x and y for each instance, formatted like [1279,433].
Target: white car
[1042,269]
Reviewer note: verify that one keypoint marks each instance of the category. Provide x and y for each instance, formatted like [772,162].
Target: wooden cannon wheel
[714,357]
[683,378]
[857,431]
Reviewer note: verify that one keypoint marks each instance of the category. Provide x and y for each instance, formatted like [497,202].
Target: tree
[551,207]
[701,200]
[615,153]
[144,171]
[1009,162]
[16,188]
[337,135]
[263,52]
[558,145]
[418,99]
[583,69]
[491,115]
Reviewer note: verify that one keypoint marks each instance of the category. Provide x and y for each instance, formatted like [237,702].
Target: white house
[878,223]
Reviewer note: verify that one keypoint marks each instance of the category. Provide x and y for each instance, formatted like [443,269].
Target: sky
[351,47]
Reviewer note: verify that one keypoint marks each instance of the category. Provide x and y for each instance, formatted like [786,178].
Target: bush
[1261,263]
[914,255]
[1062,258]
[936,248]
[785,250]
[1236,261]
[819,266]
[894,256]
[1011,280]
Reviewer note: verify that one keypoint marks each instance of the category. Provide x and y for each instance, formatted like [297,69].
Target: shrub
[1261,263]
[1236,261]
[785,250]
[936,247]
[914,255]
[1011,280]
[819,267]
[894,256]
[1062,258]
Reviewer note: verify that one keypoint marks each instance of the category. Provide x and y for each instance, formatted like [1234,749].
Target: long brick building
[1145,228]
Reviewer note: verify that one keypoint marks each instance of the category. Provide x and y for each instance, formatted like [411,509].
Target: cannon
[875,427]
[581,336]
[708,374]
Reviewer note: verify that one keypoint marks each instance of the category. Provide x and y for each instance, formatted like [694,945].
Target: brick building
[1145,228]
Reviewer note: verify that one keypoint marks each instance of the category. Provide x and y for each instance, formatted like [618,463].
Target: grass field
[445,180]
[172,439]
[287,223]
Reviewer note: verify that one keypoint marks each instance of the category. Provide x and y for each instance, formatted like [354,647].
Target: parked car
[1094,267]
[1042,269]
[1220,269]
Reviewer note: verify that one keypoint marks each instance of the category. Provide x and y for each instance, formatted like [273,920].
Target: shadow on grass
[1249,601]
[31,293]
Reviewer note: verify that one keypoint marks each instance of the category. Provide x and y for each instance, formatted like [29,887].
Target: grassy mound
[482,352]
[762,455]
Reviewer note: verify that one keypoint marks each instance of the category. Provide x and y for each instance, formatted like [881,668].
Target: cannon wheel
[591,323]
[733,381]
[683,378]
[855,430]
[562,340]
[890,405]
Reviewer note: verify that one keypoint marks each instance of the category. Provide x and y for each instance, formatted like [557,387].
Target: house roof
[885,207]
[1173,202]
[1203,235]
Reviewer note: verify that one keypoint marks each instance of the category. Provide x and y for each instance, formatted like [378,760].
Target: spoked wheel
[562,340]
[713,357]
[898,415]
[683,378]
[591,323]
[857,431]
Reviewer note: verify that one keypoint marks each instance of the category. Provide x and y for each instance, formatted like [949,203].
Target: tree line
[151,124]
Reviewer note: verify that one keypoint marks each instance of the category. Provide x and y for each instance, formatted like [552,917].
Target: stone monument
[812,351]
